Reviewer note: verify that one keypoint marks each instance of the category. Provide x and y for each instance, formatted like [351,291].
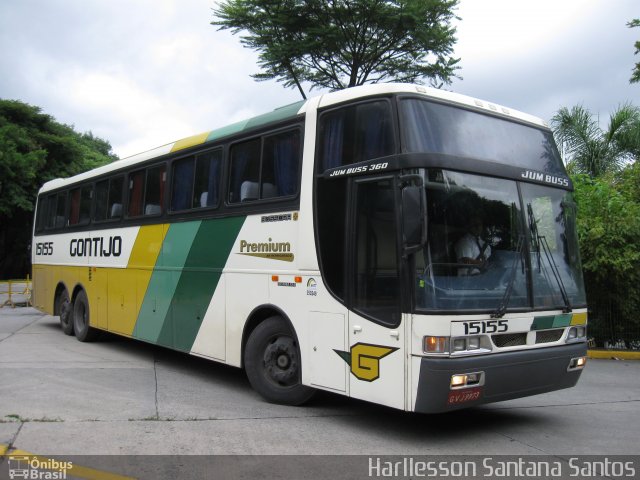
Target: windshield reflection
[480,254]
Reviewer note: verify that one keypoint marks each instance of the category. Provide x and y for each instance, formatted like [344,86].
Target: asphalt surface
[117,396]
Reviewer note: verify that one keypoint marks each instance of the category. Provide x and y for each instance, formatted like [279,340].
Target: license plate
[463,396]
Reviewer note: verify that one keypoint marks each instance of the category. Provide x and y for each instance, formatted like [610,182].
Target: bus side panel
[127,286]
[199,300]
[99,278]
[211,338]
[42,299]
[244,292]
[183,282]
[155,309]
[198,281]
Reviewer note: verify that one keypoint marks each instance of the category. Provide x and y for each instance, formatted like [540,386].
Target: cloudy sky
[141,73]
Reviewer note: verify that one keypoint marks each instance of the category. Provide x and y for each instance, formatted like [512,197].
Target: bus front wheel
[272,363]
[64,308]
[84,332]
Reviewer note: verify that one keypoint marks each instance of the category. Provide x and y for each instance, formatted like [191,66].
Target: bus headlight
[435,344]
[463,380]
[577,363]
[456,345]
[577,333]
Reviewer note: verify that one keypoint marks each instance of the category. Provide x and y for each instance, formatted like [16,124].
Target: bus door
[376,332]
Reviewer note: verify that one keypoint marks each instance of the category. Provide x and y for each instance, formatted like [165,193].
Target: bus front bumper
[505,376]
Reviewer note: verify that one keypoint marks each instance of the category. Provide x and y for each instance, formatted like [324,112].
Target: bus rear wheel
[64,308]
[84,332]
[272,363]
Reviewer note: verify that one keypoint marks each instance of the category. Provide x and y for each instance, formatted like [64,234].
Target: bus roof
[291,111]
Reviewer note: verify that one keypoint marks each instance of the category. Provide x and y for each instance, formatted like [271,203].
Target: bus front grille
[548,336]
[509,339]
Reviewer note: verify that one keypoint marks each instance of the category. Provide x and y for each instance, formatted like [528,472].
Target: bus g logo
[364,360]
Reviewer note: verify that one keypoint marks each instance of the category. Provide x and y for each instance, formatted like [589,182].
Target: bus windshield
[496,244]
[430,127]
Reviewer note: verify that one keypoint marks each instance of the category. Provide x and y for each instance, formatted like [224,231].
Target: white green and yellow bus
[393,243]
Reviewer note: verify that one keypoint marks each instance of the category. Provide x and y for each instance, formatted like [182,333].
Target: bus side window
[280,165]
[114,206]
[245,171]
[154,190]
[45,207]
[102,196]
[207,179]
[355,134]
[108,205]
[182,184]
[136,191]
[60,217]
[275,174]
[80,208]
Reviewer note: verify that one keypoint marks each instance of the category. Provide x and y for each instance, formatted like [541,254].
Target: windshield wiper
[541,243]
[504,302]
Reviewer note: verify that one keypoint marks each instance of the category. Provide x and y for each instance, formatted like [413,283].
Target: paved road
[117,396]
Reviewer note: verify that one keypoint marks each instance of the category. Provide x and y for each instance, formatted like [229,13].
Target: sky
[143,73]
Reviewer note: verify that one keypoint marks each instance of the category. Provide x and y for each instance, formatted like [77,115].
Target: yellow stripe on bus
[190,141]
[127,287]
[579,318]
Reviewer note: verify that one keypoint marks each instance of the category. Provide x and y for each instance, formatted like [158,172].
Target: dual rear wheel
[74,316]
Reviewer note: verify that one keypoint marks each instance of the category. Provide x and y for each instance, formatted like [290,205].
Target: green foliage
[34,148]
[591,150]
[609,234]
[343,43]
[635,76]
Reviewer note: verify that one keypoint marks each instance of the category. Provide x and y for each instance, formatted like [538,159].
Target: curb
[614,354]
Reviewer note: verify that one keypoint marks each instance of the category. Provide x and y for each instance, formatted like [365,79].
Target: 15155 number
[485,326]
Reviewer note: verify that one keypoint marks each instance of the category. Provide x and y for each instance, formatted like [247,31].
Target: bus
[394,243]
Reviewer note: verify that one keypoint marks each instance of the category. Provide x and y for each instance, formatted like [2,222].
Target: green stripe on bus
[551,321]
[282,113]
[164,279]
[202,271]
[563,320]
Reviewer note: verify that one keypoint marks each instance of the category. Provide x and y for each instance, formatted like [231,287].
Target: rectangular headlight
[436,344]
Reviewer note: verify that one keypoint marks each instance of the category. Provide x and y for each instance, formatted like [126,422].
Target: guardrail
[15,292]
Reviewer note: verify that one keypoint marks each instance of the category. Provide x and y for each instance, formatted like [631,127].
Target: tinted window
[436,128]
[154,190]
[272,174]
[136,193]
[80,208]
[376,291]
[207,181]
[182,190]
[245,171]
[196,181]
[281,159]
[108,203]
[355,134]
[58,210]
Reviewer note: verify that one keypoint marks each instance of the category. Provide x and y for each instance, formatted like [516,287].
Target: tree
[338,44]
[635,77]
[34,148]
[609,235]
[589,149]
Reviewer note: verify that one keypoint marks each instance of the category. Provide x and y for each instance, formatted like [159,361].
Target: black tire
[272,363]
[84,332]
[64,309]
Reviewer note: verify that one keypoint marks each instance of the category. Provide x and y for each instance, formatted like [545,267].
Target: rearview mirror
[414,226]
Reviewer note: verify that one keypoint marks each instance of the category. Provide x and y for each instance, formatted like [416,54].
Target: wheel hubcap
[280,361]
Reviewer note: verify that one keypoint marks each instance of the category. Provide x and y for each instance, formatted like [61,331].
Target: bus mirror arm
[414,225]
